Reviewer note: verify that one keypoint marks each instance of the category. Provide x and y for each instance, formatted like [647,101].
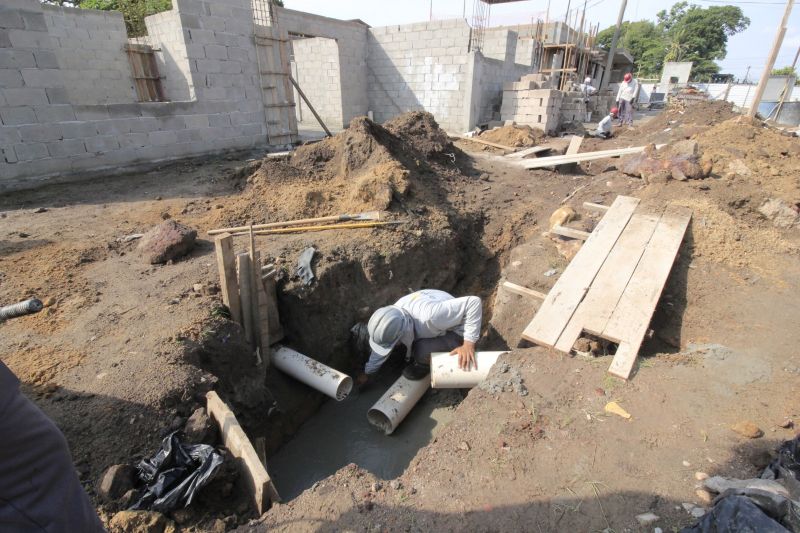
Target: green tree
[785,71]
[684,33]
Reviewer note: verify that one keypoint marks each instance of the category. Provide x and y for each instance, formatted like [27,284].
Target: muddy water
[339,434]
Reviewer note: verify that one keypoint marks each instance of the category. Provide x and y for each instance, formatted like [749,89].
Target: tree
[684,33]
[785,71]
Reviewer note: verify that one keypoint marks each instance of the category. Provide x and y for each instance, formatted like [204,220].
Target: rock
[747,429]
[198,288]
[182,516]
[679,161]
[199,428]
[166,242]
[647,518]
[737,166]
[376,486]
[48,302]
[700,476]
[396,484]
[23,235]
[582,345]
[569,249]
[781,213]
[128,499]
[141,522]
[551,272]
[687,464]
[115,482]
[697,512]
[41,210]
[786,424]
[561,216]
[464,445]
[704,496]
[720,484]
[165,216]
[688,507]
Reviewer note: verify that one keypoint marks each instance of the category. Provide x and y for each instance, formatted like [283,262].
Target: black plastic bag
[786,466]
[736,514]
[175,474]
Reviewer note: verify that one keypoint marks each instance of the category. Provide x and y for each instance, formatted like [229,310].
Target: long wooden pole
[370,215]
[320,228]
[610,63]
[311,107]
[773,55]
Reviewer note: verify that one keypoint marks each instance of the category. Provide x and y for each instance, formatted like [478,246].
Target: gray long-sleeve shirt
[433,313]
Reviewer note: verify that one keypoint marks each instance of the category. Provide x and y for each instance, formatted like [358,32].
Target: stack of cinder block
[573,107]
[526,102]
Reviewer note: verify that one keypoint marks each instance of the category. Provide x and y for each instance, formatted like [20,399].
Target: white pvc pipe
[321,377]
[445,373]
[396,403]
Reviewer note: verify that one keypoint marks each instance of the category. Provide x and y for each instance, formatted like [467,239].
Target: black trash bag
[736,514]
[175,474]
[786,467]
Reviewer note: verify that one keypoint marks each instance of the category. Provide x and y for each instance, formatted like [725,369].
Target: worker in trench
[39,489]
[605,126]
[424,322]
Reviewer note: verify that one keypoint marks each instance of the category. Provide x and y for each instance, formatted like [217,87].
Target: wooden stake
[245,294]
[226,264]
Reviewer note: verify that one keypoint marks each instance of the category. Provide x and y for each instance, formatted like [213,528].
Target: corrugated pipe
[28,307]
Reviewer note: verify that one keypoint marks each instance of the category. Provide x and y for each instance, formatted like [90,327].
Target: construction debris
[28,307]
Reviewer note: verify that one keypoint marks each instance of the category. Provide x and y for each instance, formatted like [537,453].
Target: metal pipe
[445,373]
[28,307]
[316,375]
[396,403]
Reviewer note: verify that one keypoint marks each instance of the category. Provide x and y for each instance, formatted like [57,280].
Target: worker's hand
[466,356]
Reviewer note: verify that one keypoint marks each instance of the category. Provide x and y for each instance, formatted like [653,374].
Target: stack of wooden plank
[612,286]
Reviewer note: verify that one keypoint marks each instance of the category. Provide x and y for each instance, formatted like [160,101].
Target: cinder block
[91,112]
[54,113]
[40,132]
[45,59]
[42,78]
[113,127]
[31,151]
[25,97]
[57,95]
[133,140]
[11,78]
[8,155]
[30,39]
[78,130]
[162,138]
[9,135]
[101,144]
[124,110]
[66,148]
[34,21]
[216,51]
[11,18]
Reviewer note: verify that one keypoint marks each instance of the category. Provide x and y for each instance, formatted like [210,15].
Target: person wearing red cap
[603,130]
[628,91]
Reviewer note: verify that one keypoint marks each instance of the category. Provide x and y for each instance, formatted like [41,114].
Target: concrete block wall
[165,35]
[317,70]
[45,134]
[537,108]
[351,39]
[422,66]
[89,47]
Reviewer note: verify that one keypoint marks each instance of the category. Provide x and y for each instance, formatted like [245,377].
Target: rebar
[34,305]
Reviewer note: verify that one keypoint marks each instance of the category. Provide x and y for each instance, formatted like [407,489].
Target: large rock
[781,213]
[115,482]
[679,161]
[199,428]
[141,522]
[166,242]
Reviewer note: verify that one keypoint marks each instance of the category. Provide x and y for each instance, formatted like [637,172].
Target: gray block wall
[318,72]
[44,133]
[89,47]
[165,34]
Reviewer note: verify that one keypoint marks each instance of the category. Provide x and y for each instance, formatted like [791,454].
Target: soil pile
[366,167]
[697,115]
[514,136]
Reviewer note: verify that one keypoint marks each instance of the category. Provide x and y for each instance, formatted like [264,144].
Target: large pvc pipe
[321,377]
[396,403]
[445,373]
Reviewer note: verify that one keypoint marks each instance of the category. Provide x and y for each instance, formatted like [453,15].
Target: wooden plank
[574,145]
[487,143]
[261,311]
[522,154]
[562,300]
[572,233]
[226,264]
[543,162]
[523,291]
[235,440]
[631,318]
[594,311]
[245,294]
[595,207]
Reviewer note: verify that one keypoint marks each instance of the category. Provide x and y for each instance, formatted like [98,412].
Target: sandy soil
[125,349]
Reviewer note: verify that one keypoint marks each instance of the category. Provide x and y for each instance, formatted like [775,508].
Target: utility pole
[776,46]
[613,50]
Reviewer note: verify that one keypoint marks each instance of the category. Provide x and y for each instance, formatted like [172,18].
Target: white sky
[749,48]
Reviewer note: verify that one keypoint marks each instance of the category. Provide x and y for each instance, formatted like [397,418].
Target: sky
[749,48]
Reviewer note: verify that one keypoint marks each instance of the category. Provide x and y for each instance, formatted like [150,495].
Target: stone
[198,428]
[781,213]
[141,522]
[376,486]
[697,512]
[561,216]
[700,476]
[396,484]
[41,210]
[787,424]
[647,518]
[748,429]
[167,242]
[464,445]
[719,484]
[704,496]
[115,482]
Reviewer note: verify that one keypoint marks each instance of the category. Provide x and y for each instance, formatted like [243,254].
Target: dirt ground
[124,350]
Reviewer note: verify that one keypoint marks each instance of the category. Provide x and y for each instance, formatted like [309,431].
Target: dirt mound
[365,167]
[514,136]
[697,115]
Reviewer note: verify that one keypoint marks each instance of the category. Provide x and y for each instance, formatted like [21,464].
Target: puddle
[339,434]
